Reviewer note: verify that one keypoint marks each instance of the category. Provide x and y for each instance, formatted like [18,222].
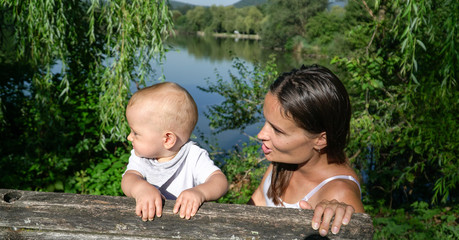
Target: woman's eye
[277,130]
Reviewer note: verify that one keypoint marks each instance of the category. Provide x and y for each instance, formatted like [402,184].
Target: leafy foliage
[405,126]
[103,177]
[69,67]
[220,19]
[325,25]
[419,222]
[244,167]
[243,96]
[286,19]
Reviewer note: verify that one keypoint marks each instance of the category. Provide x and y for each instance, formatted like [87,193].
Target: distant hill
[175,4]
[245,3]
[180,6]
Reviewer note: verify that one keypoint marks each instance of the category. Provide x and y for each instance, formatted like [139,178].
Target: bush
[244,167]
[419,222]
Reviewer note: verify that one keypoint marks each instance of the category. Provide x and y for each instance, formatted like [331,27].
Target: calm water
[195,60]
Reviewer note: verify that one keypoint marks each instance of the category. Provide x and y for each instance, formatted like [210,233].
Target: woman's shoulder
[342,184]
[342,190]
[343,181]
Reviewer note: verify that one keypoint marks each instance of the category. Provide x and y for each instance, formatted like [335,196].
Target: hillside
[245,3]
[240,4]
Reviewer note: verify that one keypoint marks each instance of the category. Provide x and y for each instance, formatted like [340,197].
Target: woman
[307,113]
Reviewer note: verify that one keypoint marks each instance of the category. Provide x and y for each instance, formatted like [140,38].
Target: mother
[307,113]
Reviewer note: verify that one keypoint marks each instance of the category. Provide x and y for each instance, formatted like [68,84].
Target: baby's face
[145,136]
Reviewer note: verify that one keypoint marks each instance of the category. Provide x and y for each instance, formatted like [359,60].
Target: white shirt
[189,168]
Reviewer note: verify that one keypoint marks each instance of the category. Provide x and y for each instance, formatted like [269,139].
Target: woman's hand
[324,212]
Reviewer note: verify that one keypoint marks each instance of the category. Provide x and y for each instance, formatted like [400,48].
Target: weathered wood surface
[42,215]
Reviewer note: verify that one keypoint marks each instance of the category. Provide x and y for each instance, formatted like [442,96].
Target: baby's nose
[129,137]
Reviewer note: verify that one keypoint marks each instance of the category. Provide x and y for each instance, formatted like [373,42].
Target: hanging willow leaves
[405,120]
[124,37]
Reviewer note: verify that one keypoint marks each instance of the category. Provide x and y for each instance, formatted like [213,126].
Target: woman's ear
[321,141]
[169,140]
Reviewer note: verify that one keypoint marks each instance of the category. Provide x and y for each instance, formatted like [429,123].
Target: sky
[209,2]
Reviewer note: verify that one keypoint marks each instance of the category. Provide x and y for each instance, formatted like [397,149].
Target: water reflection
[225,49]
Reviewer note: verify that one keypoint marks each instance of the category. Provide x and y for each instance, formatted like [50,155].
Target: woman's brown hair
[318,102]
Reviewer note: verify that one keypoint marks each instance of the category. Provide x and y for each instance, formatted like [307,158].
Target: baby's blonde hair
[171,104]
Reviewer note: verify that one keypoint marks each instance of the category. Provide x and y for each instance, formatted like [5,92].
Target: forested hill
[177,4]
[240,4]
[245,3]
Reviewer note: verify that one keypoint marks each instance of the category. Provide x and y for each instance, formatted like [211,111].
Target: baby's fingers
[191,209]
[145,210]
[185,209]
[158,206]
[138,210]
[180,206]
[194,210]
[177,205]
[150,212]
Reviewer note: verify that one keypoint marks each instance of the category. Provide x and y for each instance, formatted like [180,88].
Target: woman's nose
[262,134]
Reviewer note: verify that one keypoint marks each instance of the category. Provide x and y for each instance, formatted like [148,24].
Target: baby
[163,162]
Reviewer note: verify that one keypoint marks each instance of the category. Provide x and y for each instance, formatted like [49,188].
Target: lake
[192,61]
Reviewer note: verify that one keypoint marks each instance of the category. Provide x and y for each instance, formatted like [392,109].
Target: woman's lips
[266,150]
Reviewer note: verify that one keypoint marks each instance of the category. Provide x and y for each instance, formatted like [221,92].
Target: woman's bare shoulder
[342,190]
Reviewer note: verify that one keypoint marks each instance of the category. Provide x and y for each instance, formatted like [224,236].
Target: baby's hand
[149,202]
[189,202]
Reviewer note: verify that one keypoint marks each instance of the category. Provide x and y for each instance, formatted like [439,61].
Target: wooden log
[44,215]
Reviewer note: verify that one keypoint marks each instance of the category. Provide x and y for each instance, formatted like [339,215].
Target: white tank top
[270,203]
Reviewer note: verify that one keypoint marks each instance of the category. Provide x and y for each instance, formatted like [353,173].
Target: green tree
[252,20]
[287,19]
[243,95]
[323,27]
[405,98]
[229,16]
[55,118]
[218,17]
[198,18]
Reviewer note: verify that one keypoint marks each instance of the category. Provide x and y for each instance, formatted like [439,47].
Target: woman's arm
[338,199]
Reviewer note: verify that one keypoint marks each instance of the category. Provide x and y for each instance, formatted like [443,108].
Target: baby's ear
[169,140]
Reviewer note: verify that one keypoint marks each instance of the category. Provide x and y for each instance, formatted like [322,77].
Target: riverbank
[229,35]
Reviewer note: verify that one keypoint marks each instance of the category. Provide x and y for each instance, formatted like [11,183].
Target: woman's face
[283,141]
